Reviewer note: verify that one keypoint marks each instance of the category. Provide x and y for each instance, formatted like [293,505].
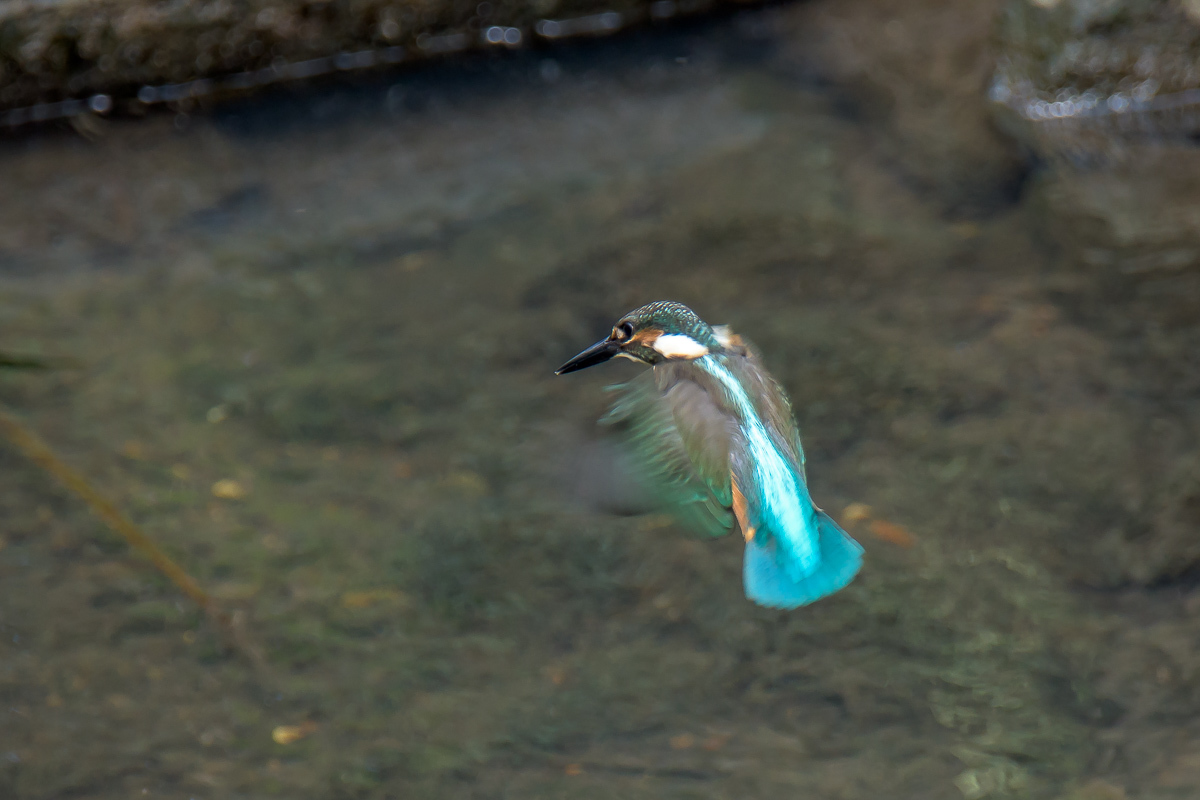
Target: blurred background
[302,271]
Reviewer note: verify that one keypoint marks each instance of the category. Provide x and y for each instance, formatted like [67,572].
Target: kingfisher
[718,442]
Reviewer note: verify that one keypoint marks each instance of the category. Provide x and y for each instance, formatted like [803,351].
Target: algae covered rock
[1108,91]
[1083,76]
[56,52]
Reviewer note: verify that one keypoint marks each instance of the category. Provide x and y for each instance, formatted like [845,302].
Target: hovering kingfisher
[716,436]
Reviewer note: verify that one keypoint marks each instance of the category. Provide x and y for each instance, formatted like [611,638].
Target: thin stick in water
[29,443]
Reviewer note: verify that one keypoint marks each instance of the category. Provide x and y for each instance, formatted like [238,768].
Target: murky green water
[346,305]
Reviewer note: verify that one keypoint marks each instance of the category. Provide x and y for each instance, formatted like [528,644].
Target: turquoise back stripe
[783,501]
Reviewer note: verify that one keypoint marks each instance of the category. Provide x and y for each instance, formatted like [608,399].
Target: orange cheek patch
[647,337]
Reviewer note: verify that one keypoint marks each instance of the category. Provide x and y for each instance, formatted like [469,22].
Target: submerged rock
[1135,220]
[918,69]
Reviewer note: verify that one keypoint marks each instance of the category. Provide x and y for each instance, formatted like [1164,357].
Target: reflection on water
[318,336]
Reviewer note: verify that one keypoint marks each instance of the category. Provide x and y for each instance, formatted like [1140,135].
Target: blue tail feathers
[768,583]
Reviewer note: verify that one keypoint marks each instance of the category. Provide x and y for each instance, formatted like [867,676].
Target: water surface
[347,302]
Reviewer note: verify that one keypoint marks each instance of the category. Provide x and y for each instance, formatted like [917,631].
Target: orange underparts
[739,510]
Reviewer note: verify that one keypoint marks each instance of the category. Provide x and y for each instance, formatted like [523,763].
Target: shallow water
[346,304]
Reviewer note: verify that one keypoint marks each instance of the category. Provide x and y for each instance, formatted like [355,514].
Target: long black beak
[596,354]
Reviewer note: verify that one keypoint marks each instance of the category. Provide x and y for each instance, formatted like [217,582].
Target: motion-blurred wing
[681,439]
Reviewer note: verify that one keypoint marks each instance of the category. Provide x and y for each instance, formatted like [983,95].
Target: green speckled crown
[673,318]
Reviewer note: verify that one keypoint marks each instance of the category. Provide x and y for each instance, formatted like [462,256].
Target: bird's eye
[623,331]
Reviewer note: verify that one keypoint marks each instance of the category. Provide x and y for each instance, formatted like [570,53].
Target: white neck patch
[677,345]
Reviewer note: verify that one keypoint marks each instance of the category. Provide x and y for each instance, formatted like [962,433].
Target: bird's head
[657,332]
